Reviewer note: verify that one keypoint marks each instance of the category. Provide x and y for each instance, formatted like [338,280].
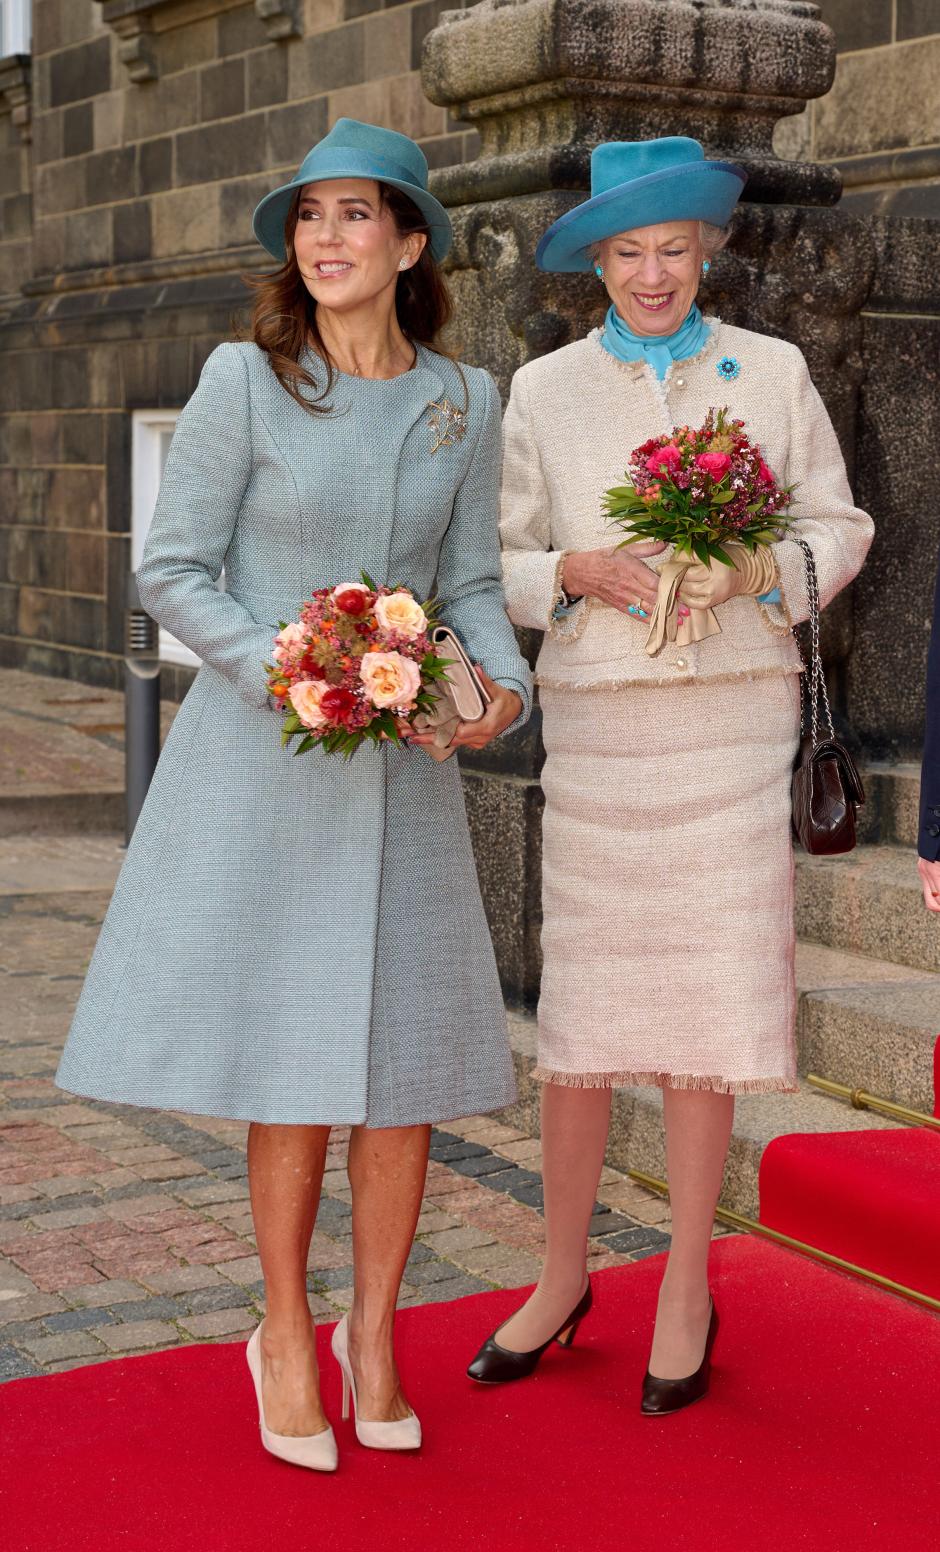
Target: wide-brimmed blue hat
[356,150]
[641,183]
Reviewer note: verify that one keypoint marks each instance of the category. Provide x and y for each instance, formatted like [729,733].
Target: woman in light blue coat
[301,943]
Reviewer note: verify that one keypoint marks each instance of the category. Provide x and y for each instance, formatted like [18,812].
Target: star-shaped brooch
[448,423]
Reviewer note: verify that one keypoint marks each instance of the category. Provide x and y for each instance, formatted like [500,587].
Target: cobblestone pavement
[123,1230]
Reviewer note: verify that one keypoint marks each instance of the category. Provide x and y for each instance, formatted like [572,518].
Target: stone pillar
[543,81]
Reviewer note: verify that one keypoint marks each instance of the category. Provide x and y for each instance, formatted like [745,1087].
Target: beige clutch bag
[461,694]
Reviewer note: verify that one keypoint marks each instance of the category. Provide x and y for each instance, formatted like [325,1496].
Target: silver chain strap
[813,681]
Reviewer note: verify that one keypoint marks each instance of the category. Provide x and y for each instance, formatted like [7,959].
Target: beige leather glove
[753,572]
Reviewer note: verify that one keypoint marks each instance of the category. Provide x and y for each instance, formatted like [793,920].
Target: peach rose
[401,613]
[287,641]
[390,679]
[305,698]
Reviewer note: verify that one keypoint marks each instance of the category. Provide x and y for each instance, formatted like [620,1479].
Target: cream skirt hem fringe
[681,1080]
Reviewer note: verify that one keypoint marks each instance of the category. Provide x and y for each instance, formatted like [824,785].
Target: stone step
[59,866]
[636,1131]
[890,811]
[62,755]
[40,812]
[868,1023]
[868,902]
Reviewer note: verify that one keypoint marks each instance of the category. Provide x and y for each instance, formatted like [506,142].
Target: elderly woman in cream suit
[668,876]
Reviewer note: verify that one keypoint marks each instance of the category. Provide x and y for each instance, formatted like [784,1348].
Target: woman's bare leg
[575,1123]
[387,1169]
[285,1173]
[698,1130]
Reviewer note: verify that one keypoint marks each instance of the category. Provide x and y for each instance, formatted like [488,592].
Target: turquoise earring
[706,266]
[598,272]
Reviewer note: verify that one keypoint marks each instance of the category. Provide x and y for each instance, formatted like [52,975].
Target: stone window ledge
[16,92]
[133,22]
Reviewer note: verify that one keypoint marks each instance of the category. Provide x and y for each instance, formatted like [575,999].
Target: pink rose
[390,679]
[715,464]
[305,698]
[287,641]
[667,458]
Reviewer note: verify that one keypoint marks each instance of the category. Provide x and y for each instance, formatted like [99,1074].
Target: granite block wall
[880,123]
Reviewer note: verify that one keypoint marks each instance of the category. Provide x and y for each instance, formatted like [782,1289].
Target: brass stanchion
[860,1099]
[812,1252]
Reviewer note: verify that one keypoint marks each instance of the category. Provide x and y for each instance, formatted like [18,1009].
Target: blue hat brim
[271,214]
[694,191]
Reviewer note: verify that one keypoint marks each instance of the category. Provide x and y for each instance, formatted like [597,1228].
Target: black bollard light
[141,704]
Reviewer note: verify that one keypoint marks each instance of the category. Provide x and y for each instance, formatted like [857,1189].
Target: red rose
[667,459]
[310,667]
[352,600]
[337,703]
[766,475]
[715,464]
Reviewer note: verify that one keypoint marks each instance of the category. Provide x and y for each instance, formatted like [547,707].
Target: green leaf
[719,497]
[719,554]
[305,744]
[701,550]
[372,586]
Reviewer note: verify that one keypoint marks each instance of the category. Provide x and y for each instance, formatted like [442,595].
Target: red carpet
[820,1432]
[869,1197]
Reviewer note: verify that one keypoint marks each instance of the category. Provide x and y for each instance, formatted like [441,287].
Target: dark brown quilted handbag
[827,787]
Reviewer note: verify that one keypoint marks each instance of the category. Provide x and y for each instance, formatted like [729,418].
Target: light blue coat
[302,939]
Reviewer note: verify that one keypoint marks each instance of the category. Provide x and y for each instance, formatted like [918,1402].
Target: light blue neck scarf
[659,350]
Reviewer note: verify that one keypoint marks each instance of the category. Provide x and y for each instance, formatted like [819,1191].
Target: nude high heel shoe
[403,1434]
[317,1451]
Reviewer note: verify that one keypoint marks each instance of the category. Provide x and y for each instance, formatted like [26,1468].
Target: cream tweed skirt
[668,935]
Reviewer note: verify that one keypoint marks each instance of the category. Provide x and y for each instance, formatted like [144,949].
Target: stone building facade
[880,123]
[137,135]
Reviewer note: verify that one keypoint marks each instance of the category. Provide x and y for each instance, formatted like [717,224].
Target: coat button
[935,811]
[933,829]
[681,662]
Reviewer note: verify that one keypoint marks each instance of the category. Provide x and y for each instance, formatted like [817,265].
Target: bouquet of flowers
[699,489]
[357,662]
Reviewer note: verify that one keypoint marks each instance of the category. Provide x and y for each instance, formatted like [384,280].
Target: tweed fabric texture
[667,886]
[303,940]
[668,893]
[572,421]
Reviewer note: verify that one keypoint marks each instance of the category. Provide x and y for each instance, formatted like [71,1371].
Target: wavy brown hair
[284,314]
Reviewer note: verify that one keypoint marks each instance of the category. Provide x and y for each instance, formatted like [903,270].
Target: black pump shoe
[662,1397]
[494,1365]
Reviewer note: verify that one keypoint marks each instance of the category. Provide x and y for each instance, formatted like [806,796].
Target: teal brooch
[729,367]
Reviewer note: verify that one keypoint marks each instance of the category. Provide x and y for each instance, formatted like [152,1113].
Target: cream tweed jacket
[573,419]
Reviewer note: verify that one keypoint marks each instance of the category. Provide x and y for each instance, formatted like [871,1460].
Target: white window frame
[16,27]
[147,427]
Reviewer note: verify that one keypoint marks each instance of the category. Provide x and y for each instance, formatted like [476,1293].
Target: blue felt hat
[356,150]
[641,183]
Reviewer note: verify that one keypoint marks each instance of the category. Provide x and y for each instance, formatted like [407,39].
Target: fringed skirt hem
[671,1080]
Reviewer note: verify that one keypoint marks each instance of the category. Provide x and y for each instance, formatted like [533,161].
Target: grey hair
[712,240]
